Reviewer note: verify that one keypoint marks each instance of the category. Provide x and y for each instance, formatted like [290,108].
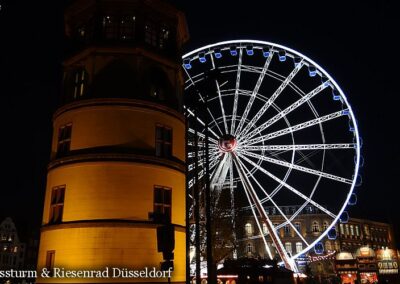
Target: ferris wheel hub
[227,143]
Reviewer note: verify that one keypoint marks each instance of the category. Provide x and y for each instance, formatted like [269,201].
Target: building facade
[363,249]
[12,250]
[117,169]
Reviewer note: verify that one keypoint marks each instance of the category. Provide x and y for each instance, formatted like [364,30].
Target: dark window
[127,28]
[164,37]
[287,230]
[80,79]
[50,257]
[150,30]
[162,200]
[163,141]
[315,227]
[64,139]
[57,204]
[110,27]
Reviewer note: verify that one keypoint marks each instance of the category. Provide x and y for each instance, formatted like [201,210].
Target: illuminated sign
[387,261]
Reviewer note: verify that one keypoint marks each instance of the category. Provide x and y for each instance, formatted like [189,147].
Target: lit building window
[288,247]
[80,79]
[299,247]
[163,141]
[248,229]
[328,245]
[347,229]
[357,231]
[315,227]
[325,225]
[64,139]
[366,230]
[162,201]
[57,204]
[265,229]
[150,36]
[351,230]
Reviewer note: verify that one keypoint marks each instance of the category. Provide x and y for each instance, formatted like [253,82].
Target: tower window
[163,141]
[80,79]
[150,30]
[127,27]
[57,204]
[164,36]
[162,200]
[110,27]
[325,225]
[64,139]
[50,257]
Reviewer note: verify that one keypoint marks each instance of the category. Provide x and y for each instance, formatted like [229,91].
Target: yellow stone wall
[117,190]
[114,190]
[81,248]
[125,126]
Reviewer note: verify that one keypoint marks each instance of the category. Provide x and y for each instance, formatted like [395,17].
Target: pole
[187,205]
[196,200]
[211,269]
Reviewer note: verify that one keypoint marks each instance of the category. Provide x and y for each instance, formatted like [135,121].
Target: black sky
[355,41]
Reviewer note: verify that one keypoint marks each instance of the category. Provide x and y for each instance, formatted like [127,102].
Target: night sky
[354,42]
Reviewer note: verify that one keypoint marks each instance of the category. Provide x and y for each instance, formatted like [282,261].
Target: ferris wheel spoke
[299,147]
[210,113]
[296,167]
[221,171]
[222,106]
[201,135]
[291,188]
[275,205]
[272,99]
[254,93]
[251,193]
[236,98]
[283,113]
[201,122]
[295,128]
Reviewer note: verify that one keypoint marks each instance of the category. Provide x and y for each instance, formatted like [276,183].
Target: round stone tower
[117,168]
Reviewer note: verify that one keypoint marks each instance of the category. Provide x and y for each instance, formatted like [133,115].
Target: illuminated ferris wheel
[280,132]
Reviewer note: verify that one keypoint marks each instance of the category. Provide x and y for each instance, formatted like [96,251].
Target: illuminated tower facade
[117,157]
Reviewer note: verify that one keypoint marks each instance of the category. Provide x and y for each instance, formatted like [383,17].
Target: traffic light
[166,265]
[166,240]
